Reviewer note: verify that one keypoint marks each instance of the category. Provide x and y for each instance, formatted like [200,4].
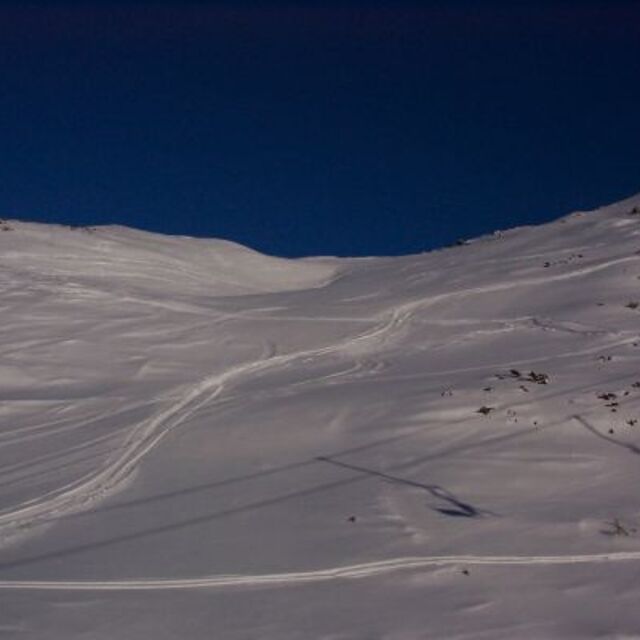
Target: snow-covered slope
[198,441]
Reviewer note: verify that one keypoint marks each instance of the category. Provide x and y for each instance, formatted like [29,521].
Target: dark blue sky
[347,128]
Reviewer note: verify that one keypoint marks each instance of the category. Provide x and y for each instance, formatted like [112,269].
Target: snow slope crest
[153,262]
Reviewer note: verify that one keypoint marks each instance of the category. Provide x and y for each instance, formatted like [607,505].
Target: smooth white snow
[198,441]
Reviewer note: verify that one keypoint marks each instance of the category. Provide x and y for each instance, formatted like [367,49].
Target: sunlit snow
[201,442]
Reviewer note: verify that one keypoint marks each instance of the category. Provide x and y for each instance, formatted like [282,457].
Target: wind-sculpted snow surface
[440,445]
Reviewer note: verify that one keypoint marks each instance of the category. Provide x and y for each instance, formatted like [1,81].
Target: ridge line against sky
[354,128]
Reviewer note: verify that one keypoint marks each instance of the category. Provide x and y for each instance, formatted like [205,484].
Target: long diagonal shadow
[457,508]
[459,448]
[181,524]
[362,474]
[169,495]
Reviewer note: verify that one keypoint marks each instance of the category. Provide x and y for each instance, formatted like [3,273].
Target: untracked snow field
[201,442]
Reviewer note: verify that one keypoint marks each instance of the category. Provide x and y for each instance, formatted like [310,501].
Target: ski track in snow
[143,438]
[355,571]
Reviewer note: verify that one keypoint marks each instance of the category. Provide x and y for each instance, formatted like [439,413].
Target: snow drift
[200,441]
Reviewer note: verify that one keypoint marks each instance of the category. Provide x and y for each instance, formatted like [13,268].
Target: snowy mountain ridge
[200,441]
[146,260]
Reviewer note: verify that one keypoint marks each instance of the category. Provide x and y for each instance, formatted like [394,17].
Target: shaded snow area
[201,442]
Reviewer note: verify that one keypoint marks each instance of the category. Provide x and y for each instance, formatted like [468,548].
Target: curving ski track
[146,435]
[349,572]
